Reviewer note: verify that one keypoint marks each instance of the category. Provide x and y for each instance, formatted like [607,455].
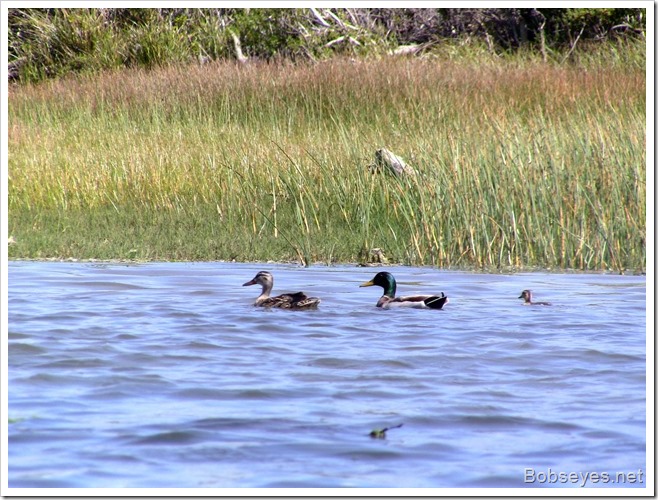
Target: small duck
[389,300]
[297,300]
[526,295]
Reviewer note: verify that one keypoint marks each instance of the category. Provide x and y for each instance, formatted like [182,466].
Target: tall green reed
[519,165]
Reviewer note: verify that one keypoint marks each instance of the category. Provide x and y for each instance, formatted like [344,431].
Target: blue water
[164,375]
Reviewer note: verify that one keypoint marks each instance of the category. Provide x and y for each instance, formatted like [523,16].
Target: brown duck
[297,300]
[526,295]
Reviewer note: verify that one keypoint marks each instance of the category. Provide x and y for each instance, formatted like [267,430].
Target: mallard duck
[297,300]
[388,300]
[526,295]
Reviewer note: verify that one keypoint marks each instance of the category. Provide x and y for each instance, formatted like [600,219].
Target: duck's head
[263,278]
[385,280]
[526,295]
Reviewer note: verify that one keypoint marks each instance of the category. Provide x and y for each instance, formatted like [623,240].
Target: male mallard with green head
[297,300]
[389,300]
[526,295]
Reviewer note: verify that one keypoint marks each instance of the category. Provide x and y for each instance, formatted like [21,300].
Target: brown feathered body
[297,300]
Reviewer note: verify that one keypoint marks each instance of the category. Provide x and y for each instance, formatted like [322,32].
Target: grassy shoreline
[522,164]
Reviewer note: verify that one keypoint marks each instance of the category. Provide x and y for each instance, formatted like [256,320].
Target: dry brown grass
[522,164]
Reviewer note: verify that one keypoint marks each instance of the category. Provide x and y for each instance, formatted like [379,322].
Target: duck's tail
[436,301]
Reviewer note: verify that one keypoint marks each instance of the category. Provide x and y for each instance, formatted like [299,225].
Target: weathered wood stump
[386,161]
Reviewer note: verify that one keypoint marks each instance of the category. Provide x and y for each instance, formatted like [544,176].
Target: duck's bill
[248,283]
[367,283]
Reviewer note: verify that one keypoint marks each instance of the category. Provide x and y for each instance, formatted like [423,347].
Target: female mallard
[388,300]
[526,295]
[297,300]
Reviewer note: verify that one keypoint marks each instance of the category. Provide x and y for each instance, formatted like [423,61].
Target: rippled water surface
[165,375]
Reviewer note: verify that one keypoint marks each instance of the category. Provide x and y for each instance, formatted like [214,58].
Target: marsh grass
[521,164]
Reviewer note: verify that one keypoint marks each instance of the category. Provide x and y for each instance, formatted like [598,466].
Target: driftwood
[238,49]
[377,256]
[386,161]
[406,50]
[353,41]
[372,257]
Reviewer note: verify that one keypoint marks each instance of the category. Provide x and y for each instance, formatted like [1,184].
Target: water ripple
[165,375]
